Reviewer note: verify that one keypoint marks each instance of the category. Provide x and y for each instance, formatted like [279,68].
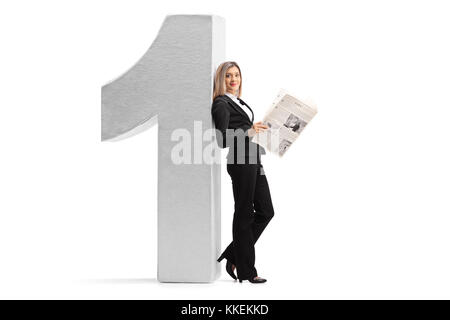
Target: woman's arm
[221,117]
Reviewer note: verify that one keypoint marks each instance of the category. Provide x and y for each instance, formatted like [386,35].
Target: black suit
[252,201]
[232,125]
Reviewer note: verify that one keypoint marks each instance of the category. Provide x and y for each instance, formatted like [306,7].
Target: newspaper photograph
[286,118]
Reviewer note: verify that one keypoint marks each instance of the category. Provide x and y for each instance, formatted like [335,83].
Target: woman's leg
[244,177]
[262,203]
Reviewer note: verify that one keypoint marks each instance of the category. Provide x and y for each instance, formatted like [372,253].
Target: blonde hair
[219,78]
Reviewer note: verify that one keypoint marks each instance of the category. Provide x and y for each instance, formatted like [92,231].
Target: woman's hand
[257,128]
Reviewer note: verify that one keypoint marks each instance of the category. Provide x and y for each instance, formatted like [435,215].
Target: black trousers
[252,212]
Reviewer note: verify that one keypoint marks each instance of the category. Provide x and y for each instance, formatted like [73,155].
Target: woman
[233,120]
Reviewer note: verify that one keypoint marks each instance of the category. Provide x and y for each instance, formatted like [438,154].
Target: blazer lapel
[238,108]
[253,115]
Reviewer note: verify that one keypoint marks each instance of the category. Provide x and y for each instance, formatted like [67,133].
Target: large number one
[172,85]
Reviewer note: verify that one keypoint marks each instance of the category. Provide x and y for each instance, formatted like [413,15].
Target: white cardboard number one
[172,85]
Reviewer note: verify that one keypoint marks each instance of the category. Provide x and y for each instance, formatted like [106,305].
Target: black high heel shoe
[257,280]
[228,267]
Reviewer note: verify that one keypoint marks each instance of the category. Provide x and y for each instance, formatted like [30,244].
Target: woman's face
[233,80]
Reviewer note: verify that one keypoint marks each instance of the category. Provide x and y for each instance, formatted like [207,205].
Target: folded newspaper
[286,118]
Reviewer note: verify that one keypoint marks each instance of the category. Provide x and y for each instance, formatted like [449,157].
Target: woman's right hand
[257,128]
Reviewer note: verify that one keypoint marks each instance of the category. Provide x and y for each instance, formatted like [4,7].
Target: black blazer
[228,115]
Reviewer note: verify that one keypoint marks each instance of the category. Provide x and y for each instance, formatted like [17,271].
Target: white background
[361,199]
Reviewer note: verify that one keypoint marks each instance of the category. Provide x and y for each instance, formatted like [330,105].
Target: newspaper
[286,118]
